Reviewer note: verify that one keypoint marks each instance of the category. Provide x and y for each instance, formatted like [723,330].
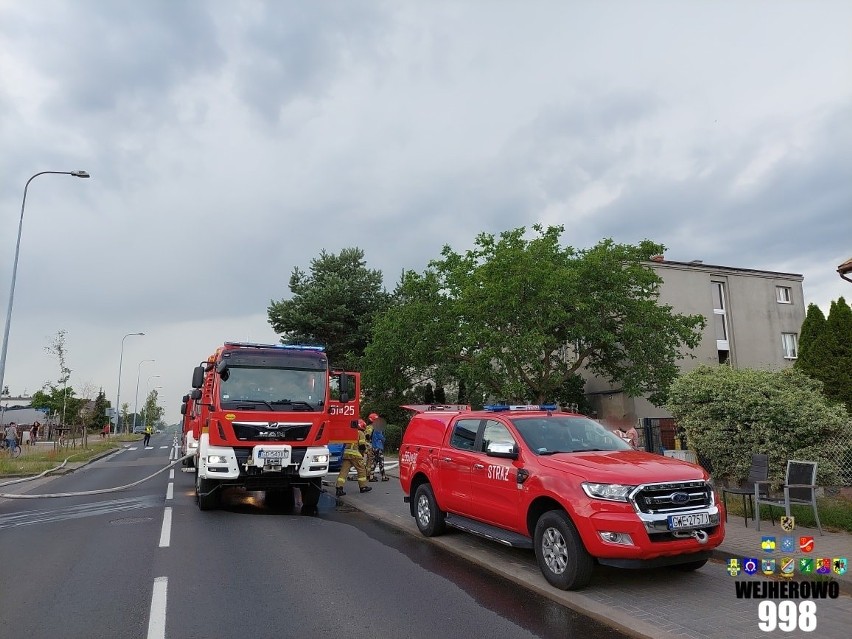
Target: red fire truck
[266,414]
[191,430]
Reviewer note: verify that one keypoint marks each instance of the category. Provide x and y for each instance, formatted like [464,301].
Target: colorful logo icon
[788,523]
[767,544]
[823,566]
[751,565]
[788,544]
[806,544]
[839,565]
[767,566]
[806,565]
[787,566]
[733,567]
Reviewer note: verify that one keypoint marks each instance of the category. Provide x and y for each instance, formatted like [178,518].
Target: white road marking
[166,532]
[162,447]
[149,448]
[157,618]
[172,473]
[133,448]
[170,491]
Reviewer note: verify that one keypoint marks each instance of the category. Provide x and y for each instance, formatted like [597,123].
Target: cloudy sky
[230,141]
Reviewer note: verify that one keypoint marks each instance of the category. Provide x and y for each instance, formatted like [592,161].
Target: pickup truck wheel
[206,493]
[430,520]
[690,565]
[560,553]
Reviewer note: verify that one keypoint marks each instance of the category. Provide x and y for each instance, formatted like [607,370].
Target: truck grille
[673,497]
[274,432]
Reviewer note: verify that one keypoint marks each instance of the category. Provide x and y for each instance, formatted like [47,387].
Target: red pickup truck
[559,483]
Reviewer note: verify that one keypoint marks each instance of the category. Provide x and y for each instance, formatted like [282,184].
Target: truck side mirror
[198,377]
[183,409]
[222,369]
[196,394]
[507,450]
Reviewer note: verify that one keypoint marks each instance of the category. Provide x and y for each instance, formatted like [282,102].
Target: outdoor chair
[759,472]
[799,488]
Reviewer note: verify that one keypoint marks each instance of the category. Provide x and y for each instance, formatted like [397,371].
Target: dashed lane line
[157,617]
[166,531]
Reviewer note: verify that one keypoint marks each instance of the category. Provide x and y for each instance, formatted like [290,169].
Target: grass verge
[39,458]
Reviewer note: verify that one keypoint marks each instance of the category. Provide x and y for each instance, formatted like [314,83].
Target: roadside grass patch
[39,458]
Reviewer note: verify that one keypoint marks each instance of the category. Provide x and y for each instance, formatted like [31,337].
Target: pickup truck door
[455,461]
[494,481]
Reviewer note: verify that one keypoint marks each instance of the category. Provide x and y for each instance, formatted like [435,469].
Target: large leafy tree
[333,305]
[97,417]
[517,318]
[730,414]
[54,399]
[153,411]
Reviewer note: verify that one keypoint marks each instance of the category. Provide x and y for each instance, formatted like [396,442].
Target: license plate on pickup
[695,520]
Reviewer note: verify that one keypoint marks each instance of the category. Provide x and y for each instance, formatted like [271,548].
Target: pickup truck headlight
[609,492]
[320,459]
[217,459]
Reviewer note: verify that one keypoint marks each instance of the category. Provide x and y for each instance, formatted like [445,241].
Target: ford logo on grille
[679,498]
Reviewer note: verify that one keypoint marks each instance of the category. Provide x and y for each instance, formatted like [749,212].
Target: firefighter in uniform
[353,456]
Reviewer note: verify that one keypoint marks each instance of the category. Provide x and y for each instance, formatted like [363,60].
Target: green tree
[516,319]
[334,305]
[152,410]
[98,417]
[837,376]
[730,414]
[54,399]
[812,343]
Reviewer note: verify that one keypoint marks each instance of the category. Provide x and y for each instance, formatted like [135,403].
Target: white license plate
[695,520]
[274,454]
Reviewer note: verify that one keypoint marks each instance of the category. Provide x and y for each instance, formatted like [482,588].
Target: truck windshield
[566,434]
[278,389]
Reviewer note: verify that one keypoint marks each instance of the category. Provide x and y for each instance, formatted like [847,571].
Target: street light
[136,403]
[79,174]
[118,394]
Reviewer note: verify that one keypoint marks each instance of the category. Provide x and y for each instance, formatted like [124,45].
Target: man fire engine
[266,415]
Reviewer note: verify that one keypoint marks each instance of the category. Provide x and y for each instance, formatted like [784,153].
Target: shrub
[730,414]
[393,437]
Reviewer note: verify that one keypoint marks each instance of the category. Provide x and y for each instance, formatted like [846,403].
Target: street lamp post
[136,402]
[118,394]
[79,174]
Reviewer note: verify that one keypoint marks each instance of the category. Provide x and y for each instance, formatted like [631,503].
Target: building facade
[753,321]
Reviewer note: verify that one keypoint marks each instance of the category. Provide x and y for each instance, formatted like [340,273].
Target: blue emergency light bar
[501,407]
[294,347]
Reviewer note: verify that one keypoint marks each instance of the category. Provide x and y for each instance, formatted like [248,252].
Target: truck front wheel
[430,520]
[311,496]
[207,493]
[560,553]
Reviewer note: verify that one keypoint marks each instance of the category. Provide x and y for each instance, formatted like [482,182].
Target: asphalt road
[145,562]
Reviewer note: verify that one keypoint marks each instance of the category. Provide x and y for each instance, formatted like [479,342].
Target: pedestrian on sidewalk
[353,457]
[34,432]
[378,446]
[11,437]
[105,431]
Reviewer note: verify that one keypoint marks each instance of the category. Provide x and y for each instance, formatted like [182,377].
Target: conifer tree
[812,350]
[838,367]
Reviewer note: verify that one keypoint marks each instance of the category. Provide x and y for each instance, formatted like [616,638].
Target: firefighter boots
[366,489]
[339,492]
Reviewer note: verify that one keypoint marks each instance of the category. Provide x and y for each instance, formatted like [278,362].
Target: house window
[782,294]
[790,344]
[720,316]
